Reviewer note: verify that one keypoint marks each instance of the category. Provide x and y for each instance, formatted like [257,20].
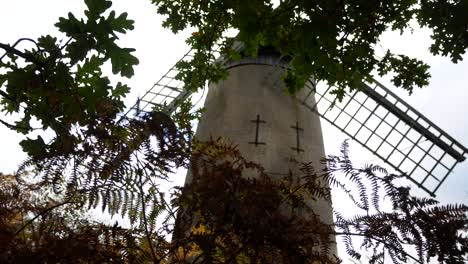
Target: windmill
[251,109]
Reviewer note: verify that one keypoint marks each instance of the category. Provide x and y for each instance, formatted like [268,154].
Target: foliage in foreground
[95,161]
[257,219]
[59,85]
[225,217]
[334,41]
[37,229]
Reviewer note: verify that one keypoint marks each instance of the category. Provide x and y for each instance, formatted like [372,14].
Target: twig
[10,126]
[66,44]
[380,241]
[12,50]
[145,221]
[16,43]
[6,96]
[40,214]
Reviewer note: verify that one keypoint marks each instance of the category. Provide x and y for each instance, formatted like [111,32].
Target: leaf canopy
[333,41]
[62,86]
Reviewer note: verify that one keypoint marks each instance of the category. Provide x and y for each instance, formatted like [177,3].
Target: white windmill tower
[269,127]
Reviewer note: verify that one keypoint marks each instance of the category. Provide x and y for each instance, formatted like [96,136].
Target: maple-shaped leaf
[47,42]
[121,23]
[96,7]
[122,60]
[34,147]
[71,25]
[120,90]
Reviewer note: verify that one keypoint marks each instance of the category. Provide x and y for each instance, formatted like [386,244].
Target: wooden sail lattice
[374,116]
[168,90]
[393,131]
[165,93]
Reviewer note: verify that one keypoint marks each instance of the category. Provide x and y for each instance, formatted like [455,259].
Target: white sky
[444,101]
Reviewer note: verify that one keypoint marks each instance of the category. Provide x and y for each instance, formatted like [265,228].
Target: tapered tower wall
[251,109]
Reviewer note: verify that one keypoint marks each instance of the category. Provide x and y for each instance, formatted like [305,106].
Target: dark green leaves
[449,23]
[120,90]
[120,24]
[96,8]
[61,85]
[47,43]
[122,60]
[407,72]
[90,66]
[294,82]
[333,41]
[34,147]
[71,25]
[99,33]
[78,49]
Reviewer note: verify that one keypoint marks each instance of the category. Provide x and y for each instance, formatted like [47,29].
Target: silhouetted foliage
[432,230]
[333,41]
[35,228]
[231,218]
[231,210]
[60,83]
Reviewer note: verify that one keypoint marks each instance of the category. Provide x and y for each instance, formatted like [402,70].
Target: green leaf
[96,8]
[293,81]
[34,147]
[122,60]
[23,126]
[121,23]
[71,25]
[62,76]
[78,49]
[120,90]
[47,42]
[91,66]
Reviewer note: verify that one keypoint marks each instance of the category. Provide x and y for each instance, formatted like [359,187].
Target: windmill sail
[166,92]
[394,131]
[375,117]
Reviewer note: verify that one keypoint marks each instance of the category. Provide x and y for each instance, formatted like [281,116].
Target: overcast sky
[444,101]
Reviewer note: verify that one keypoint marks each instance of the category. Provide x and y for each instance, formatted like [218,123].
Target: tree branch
[16,43]
[10,126]
[12,50]
[6,96]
